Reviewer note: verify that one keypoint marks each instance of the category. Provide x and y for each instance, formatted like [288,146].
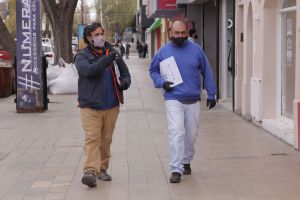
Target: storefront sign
[29,69]
[80,29]
[166,4]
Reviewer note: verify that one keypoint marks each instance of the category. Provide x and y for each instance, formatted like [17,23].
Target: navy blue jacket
[97,84]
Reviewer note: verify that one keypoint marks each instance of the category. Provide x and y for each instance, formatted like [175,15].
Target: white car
[75,40]
[46,41]
[49,53]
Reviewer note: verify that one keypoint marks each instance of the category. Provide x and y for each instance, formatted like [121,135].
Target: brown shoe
[89,179]
[104,176]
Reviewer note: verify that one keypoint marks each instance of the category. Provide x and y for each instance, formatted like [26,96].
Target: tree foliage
[11,20]
[6,39]
[77,17]
[117,14]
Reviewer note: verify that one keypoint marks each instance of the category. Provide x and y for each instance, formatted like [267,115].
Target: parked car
[74,49]
[5,59]
[7,74]
[75,40]
[46,41]
[49,53]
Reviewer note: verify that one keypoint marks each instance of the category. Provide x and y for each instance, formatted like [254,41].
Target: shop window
[288,57]
[288,3]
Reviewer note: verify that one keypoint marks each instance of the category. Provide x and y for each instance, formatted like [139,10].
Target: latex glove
[211,103]
[167,86]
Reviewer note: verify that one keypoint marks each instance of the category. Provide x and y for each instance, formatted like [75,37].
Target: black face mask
[179,41]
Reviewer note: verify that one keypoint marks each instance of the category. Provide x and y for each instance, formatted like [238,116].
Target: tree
[47,32]
[76,21]
[61,14]
[98,8]
[11,20]
[79,13]
[6,39]
[117,15]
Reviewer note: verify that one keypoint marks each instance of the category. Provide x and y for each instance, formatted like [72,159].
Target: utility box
[6,74]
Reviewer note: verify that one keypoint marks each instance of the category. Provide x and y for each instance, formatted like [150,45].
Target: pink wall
[259,58]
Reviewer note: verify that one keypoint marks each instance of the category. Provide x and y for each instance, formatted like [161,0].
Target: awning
[155,25]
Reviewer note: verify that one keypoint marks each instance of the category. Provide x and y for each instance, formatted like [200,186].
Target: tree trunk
[63,42]
[6,40]
[47,32]
[61,17]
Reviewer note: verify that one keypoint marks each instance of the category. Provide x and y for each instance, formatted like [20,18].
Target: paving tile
[12,197]
[55,196]
[234,159]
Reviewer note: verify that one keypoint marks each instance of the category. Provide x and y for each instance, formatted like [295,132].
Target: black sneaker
[187,169]
[89,179]
[175,177]
[104,176]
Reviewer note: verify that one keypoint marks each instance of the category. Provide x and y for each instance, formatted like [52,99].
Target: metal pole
[233,58]
[81,12]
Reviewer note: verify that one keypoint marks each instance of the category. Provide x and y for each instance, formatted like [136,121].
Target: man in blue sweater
[100,92]
[182,102]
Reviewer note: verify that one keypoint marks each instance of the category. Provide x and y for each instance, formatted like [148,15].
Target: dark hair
[88,29]
[192,31]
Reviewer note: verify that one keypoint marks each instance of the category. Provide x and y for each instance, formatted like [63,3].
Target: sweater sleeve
[208,76]
[155,72]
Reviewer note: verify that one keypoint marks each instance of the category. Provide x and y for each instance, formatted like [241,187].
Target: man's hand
[111,56]
[211,103]
[167,86]
[123,85]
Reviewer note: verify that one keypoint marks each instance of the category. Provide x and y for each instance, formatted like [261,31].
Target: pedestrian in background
[127,50]
[182,102]
[139,47]
[145,50]
[122,49]
[192,35]
[99,96]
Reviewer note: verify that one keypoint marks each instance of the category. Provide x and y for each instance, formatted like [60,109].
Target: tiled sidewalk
[41,154]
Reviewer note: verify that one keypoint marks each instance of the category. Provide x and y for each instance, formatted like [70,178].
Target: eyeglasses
[178,33]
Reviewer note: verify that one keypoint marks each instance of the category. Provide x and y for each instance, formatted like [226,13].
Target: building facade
[268,65]
[254,49]
[214,23]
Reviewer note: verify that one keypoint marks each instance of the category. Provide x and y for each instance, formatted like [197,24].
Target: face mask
[98,41]
[179,41]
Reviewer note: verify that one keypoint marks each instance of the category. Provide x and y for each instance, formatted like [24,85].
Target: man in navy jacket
[182,101]
[100,92]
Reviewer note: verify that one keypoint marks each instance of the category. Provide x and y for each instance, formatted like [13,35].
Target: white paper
[169,71]
[117,72]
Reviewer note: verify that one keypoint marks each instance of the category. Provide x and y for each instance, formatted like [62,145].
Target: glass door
[288,53]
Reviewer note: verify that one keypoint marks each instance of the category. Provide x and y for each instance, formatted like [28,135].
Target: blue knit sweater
[191,62]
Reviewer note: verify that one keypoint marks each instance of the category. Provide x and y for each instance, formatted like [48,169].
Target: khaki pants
[98,126]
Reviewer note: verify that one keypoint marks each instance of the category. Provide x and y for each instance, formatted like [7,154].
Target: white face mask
[98,41]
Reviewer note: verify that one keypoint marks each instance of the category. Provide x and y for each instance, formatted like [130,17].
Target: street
[41,154]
